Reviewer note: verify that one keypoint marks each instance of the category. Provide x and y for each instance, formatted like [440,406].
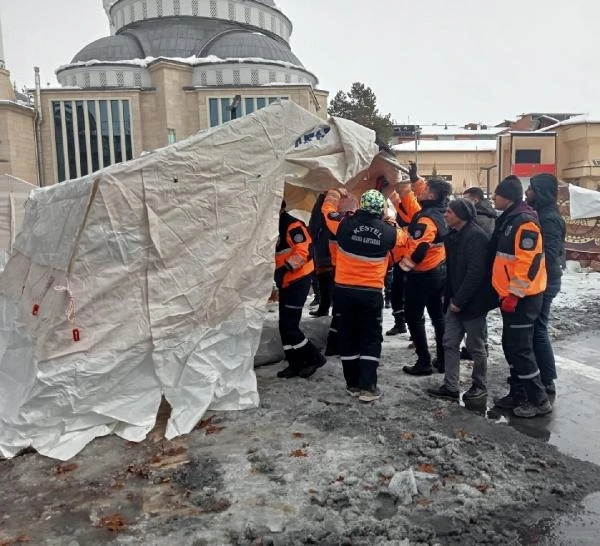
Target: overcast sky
[427,61]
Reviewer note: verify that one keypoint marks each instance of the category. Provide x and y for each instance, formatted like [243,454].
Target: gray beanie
[464,209]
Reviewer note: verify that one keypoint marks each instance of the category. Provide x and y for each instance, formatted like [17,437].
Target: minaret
[1,47]
[7,91]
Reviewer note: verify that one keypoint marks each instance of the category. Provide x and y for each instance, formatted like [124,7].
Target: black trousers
[299,351]
[325,281]
[314,283]
[424,291]
[360,337]
[332,347]
[517,343]
[397,295]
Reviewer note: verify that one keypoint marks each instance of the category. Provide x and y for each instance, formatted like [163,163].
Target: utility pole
[38,127]
[417,134]
[487,171]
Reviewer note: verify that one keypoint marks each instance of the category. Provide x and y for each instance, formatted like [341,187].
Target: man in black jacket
[486,220]
[542,195]
[486,213]
[322,257]
[465,303]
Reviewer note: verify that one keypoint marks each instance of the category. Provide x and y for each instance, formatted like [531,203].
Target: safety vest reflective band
[293,249]
[519,265]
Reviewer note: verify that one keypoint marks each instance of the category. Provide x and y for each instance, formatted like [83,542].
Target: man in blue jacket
[542,195]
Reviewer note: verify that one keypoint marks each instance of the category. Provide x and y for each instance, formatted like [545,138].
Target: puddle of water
[582,529]
[573,427]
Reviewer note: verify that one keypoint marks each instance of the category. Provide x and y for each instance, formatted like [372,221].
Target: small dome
[111,48]
[246,44]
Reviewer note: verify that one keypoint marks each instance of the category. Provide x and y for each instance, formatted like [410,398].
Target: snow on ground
[314,466]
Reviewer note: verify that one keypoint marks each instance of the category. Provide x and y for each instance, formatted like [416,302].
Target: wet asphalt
[574,428]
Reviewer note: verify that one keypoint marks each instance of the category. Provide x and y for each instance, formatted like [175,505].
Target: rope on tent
[70,311]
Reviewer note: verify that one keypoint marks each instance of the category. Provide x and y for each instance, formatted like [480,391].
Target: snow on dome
[110,48]
[192,61]
[244,44]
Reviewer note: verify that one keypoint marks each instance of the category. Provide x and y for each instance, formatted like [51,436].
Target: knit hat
[373,202]
[510,188]
[464,209]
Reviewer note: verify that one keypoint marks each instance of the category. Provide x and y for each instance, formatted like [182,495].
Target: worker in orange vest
[425,263]
[293,269]
[519,278]
[365,242]
[398,284]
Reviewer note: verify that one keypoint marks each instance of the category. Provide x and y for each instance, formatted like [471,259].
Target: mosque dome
[111,48]
[253,35]
[246,44]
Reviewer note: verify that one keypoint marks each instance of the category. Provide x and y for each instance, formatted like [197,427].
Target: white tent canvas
[160,268]
[584,203]
[14,193]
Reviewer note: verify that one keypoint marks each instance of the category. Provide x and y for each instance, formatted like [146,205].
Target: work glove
[509,303]
[412,171]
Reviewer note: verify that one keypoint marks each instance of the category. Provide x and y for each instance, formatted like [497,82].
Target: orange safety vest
[366,245]
[407,207]
[519,265]
[292,251]
[425,247]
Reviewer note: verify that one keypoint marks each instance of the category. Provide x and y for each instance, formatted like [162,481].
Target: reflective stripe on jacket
[366,243]
[425,248]
[292,251]
[519,264]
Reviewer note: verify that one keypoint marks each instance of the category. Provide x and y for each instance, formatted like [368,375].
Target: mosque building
[169,69]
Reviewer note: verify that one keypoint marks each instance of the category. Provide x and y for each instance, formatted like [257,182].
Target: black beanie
[464,209]
[510,188]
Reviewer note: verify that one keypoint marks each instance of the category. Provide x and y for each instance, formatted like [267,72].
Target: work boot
[475,393]
[317,362]
[370,395]
[397,329]
[529,410]
[418,369]
[353,391]
[289,372]
[445,393]
[517,396]
[506,402]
